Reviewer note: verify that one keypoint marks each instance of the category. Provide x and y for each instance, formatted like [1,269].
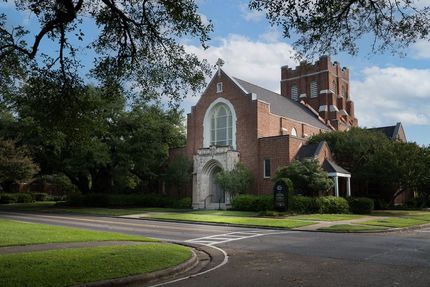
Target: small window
[344,94]
[294,93]
[314,89]
[266,168]
[294,132]
[334,87]
[219,87]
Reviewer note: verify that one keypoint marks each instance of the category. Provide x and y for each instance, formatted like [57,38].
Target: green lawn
[68,267]
[255,221]
[22,233]
[352,228]
[327,217]
[396,222]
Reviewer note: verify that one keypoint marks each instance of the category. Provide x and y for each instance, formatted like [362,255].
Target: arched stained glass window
[221,125]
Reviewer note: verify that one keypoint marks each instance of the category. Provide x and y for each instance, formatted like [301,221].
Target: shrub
[332,204]
[24,198]
[380,204]
[6,198]
[128,200]
[185,203]
[304,204]
[246,202]
[39,196]
[361,205]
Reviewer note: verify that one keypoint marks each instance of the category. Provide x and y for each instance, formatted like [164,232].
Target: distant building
[392,132]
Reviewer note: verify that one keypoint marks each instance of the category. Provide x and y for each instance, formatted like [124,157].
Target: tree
[15,163]
[235,181]
[178,173]
[352,149]
[138,42]
[328,27]
[308,177]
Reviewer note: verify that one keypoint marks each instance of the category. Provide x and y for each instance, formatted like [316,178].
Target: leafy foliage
[361,205]
[137,42]
[178,173]
[235,181]
[15,163]
[328,27]
[308,177]
[247,202]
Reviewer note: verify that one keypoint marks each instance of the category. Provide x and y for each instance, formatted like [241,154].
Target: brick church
[235,120]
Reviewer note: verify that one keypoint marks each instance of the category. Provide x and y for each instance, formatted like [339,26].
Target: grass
[255,221]
[22,233]
[327,217]
[395,222]
[67,267]
[352,228]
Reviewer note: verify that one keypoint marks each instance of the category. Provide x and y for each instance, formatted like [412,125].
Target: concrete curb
[138,280]
[280,228]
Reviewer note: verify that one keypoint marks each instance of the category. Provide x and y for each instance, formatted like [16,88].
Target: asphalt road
[260,257]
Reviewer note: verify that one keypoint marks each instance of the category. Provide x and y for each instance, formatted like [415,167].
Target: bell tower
[323,86]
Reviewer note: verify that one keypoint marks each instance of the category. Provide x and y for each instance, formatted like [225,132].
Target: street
[262,257]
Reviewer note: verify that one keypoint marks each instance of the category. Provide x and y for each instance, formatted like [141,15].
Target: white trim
[338,174]
[219,87]
[326,92]
[239,85]
[253,96]
[343,112]
[207,122]
[323,108]
[333,108]
[308,75]
[302,96]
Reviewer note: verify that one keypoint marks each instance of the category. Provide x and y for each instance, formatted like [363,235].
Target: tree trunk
[103,181]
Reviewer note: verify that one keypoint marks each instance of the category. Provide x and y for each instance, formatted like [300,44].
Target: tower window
[294,93]
[219,87]
[334,87]
[294,132]
[314,89]
[266,167]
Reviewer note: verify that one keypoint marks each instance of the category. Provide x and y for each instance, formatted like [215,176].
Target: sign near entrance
[280,191]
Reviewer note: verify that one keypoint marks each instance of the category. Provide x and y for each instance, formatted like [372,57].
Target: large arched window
[221,125]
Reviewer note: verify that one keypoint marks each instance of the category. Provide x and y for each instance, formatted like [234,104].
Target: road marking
[232,236]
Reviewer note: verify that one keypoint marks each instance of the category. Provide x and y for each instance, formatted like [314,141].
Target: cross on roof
[219,63]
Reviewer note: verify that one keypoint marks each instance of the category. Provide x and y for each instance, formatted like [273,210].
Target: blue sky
[386,89]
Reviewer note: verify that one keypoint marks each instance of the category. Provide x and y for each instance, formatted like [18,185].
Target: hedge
[127,200]
[361,205]
[298,204]
[7,198]
[247,202]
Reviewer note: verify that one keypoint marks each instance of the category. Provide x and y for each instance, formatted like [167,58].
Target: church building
[235,120]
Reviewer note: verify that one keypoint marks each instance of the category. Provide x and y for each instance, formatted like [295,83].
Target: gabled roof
[282,106]
[392,132]
[332,167]
[309,150]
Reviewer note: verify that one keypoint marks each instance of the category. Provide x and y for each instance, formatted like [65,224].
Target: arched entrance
[216,193]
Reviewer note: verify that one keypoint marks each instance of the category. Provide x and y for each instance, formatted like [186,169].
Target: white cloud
[250,15]
[421,50]
[389,95]
[254,61]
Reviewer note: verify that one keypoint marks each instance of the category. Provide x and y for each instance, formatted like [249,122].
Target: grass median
[68,267]
[238,220]
[24,233]
[352,228]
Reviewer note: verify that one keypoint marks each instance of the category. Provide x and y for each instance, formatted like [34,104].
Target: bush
[361,205]
[24,198]
[246,202]
[39,196]
[6,198]
[332,204]
[128,200]
[184,203]
[380,204]
[304,204]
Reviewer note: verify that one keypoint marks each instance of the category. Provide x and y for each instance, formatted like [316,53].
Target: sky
[386,89]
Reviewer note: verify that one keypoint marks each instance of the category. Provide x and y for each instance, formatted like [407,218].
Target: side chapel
[235,120]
